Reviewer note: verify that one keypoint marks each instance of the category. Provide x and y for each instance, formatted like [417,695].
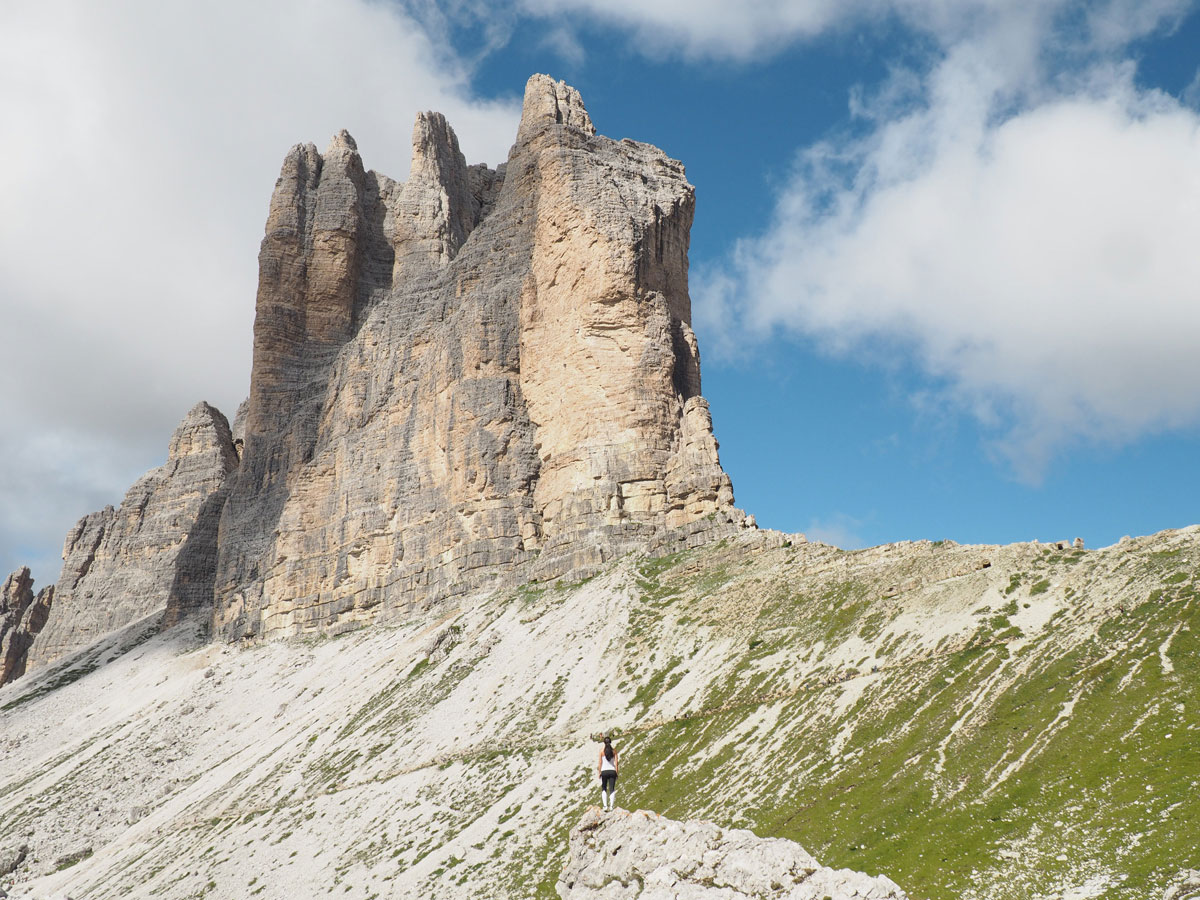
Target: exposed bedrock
[475,376]
[120,564]
[619,855]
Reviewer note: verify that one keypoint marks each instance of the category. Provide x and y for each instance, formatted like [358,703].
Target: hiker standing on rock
[608,774]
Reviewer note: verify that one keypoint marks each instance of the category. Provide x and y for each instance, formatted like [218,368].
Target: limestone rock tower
[473,373]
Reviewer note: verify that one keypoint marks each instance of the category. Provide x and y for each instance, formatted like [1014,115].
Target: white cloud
[751,29]
[1191,94]
[142,141]
[1021,220]
[704,27]
[565,43]
[1040,265]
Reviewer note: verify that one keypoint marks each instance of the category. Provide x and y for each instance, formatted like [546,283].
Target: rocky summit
[22,617]
[124,564]
[474,376]
[474,423]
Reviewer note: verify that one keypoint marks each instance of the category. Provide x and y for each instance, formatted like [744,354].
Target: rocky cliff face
[622,855]
[22,617]
[122,564]
[474,376]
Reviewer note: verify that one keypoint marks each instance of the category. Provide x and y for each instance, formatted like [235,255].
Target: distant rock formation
[22,617]
[122,564]
[474,373]
[620,855]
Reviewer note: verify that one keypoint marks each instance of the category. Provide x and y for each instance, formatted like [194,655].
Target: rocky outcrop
[620,855]
[22,617]
[475,376]
[122,564]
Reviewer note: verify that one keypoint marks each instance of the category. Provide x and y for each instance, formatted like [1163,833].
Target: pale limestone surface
[121,564]
[466,380]
[620,855]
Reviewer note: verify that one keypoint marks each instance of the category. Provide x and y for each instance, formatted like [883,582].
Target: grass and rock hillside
[974,722]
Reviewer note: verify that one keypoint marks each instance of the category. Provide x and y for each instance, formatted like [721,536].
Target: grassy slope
[998,765]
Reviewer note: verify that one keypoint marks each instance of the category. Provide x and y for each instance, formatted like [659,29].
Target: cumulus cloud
[142,141]
[1037,261]
[1191,94]
[751,29]
[704,27]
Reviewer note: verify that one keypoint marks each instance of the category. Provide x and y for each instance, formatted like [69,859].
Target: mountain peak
[550,102]
[465,380]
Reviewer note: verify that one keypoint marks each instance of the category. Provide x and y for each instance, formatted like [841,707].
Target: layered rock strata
[22,617]
[473,376]
[122,564]
[620,855]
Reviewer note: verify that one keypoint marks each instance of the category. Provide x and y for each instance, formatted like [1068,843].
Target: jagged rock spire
[22,617]
[436,209]
[119,564]
[550,102]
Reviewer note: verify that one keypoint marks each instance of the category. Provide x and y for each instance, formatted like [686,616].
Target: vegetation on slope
[1003,763]
[971,721]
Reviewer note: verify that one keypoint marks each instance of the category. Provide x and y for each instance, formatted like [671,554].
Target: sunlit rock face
[475,376]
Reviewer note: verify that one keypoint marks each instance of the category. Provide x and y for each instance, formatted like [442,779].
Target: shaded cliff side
[122,564]
[22,617]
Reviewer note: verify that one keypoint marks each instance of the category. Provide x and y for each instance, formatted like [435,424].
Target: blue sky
[944,267]
[861,446]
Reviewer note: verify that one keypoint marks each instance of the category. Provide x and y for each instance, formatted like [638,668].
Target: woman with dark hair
[608,774]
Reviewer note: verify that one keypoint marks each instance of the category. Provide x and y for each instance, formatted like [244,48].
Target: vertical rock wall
[400,467]
[473,376]
[609,365]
